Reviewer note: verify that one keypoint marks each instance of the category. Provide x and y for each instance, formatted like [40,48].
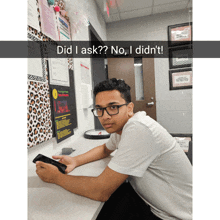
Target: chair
[189,154]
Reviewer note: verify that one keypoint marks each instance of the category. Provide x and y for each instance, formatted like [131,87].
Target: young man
[147,155]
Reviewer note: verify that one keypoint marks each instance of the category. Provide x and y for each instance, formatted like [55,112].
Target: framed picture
[180,78]
[180,57]
[180,34]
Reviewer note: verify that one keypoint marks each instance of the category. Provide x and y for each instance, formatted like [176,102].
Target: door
[99,73]
[138,73]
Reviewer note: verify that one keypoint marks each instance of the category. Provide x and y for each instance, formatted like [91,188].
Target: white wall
[85,9]
[174,108]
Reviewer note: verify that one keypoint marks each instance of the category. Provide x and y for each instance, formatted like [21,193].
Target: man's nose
[105,114]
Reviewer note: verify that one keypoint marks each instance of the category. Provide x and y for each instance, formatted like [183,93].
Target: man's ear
[130,108]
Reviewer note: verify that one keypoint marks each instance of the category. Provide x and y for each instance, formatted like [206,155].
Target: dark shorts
[125,204]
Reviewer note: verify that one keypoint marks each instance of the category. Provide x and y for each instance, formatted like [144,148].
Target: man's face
[113,123]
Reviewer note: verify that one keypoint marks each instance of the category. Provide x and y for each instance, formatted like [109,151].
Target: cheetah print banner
[39,122]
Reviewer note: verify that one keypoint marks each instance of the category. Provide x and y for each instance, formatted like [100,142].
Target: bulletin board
[41,124]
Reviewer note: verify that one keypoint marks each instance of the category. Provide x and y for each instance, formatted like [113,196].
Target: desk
[51,202]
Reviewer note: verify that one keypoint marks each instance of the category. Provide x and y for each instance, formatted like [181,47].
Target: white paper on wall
[48,20]
[36,66]
[59,71]
[33,14]
[86,87]
[85,74]
[86,92]
[64,28]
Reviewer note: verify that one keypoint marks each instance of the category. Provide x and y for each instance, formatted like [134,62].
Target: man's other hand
[47,172]
[70,162]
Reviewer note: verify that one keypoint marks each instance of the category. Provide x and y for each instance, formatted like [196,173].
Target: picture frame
[180,78]
[180,34]
[180,57]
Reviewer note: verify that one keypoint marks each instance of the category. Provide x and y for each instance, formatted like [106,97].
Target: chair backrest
[189,154]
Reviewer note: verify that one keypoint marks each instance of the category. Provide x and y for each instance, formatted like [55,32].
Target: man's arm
[97,188]
[96,153]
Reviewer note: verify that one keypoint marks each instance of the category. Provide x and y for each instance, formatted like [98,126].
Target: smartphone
[62,167]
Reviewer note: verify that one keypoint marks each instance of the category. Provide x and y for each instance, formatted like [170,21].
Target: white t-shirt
[158,169]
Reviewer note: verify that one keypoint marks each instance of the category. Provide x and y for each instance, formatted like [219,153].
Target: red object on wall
[57,8]
[107,8]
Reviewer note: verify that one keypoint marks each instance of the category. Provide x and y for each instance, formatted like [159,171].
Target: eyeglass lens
[111,110]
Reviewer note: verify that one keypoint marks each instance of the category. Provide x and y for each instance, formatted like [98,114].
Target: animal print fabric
[39,124]
[39,120]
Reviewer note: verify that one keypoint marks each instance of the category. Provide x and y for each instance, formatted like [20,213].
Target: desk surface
[48,201]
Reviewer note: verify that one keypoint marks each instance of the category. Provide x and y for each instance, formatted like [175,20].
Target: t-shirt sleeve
[112,142]
[136,150]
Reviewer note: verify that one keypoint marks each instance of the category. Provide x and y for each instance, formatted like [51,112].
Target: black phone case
[60,166]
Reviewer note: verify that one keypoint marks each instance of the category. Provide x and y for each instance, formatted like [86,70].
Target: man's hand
[67,160]
[47,172]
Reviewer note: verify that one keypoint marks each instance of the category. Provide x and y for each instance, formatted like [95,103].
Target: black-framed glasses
[111,110]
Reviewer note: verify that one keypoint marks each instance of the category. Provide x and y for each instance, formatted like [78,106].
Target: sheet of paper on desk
[183,142]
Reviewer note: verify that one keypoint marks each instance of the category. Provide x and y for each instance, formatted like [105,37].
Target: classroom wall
[86,9]
[174,108]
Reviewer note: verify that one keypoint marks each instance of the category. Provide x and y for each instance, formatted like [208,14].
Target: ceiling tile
[162,2]
[129,5]
[135,13]
[170,7]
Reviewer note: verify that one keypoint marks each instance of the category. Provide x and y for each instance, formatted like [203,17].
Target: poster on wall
[48,20]
[86,88]
[36,66]
[63,29]
[85,73]
[181,78]
[59,71]
[180,34]
[62,112]
[180,57]
[33,15]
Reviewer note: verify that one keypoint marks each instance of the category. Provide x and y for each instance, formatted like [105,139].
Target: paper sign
[48,20]
[33,15]
[64,29]
[36,66]
[59,72]
[63,117]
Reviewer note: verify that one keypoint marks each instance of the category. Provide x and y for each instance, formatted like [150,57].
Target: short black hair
[114,84]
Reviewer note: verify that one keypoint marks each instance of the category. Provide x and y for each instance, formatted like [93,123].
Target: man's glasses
[111,110]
